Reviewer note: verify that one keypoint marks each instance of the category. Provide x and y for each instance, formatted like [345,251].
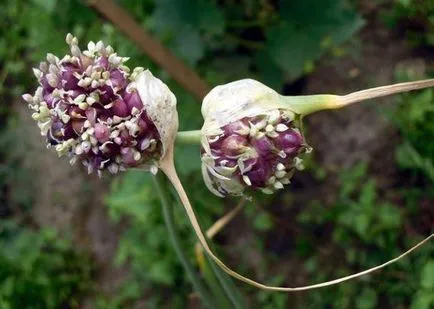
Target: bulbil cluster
[89,108]
[259,152]
[250,139]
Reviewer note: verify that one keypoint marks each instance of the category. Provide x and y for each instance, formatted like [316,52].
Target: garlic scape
[252,137]
[250,130]
[94,110]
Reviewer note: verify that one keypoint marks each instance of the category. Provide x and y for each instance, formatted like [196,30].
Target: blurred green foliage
[40,270]
[417,16]
[145,244]
[415,120]
[367,230]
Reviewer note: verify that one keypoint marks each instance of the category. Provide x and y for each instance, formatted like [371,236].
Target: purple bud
[289,141]
[119,108]
[106,94]
[233,145]
[263,146]
[91,115]
[59,132]
[259,156]
[259,174]
[102,133]
[128,157]
[78,125]
[69,81]
[49,99]
[143,125]
[118,79]
[103,62]
[45,85]
[235,128]
[133,100]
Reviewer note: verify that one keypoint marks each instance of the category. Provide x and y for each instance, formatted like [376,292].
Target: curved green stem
[308,104]
[189,137]
[305,105]
[159,181]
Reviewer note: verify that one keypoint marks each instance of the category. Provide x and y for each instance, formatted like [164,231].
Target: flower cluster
[259,152]
[89,107]
[250,139]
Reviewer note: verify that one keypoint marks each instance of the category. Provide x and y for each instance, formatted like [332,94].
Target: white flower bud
[249,134]
[233,101]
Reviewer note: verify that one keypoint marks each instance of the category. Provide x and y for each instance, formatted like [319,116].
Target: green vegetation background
[279,43]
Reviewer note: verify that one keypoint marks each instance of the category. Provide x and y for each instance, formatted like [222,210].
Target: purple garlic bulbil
[258,152]
[248,140]
[92,109]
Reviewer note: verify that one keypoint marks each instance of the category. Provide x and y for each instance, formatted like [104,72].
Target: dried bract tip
[91,109]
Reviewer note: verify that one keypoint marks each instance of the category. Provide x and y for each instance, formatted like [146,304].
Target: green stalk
[308,104]
[189,137]
[228,286]
[208,300]
[213,283]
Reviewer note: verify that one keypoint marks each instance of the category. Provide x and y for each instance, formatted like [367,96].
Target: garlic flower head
[93,109]
[250,139]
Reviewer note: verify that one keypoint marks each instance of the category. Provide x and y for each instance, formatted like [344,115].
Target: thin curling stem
[305,105]
[217,227]
[224,280]
[168,167]
[159,182]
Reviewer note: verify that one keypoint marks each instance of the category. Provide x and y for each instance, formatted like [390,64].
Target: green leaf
[47,5]
[367,299]
[263,222]
[308,29]
[423,300]
[187,159]
[184,28]
[427,276]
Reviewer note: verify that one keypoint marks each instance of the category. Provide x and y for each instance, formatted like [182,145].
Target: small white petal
[52,58]
[80,98]
[278,185]
[274,116]
[271,180]
[69,38]
[247,180]
[269,128]
[37,73]
[137,156]
[281,127]
[113,168]
[280,174]
[154,169]
[83,105]
[298,163]
[28,98]
[91,46]
[285,181]
[75,51]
